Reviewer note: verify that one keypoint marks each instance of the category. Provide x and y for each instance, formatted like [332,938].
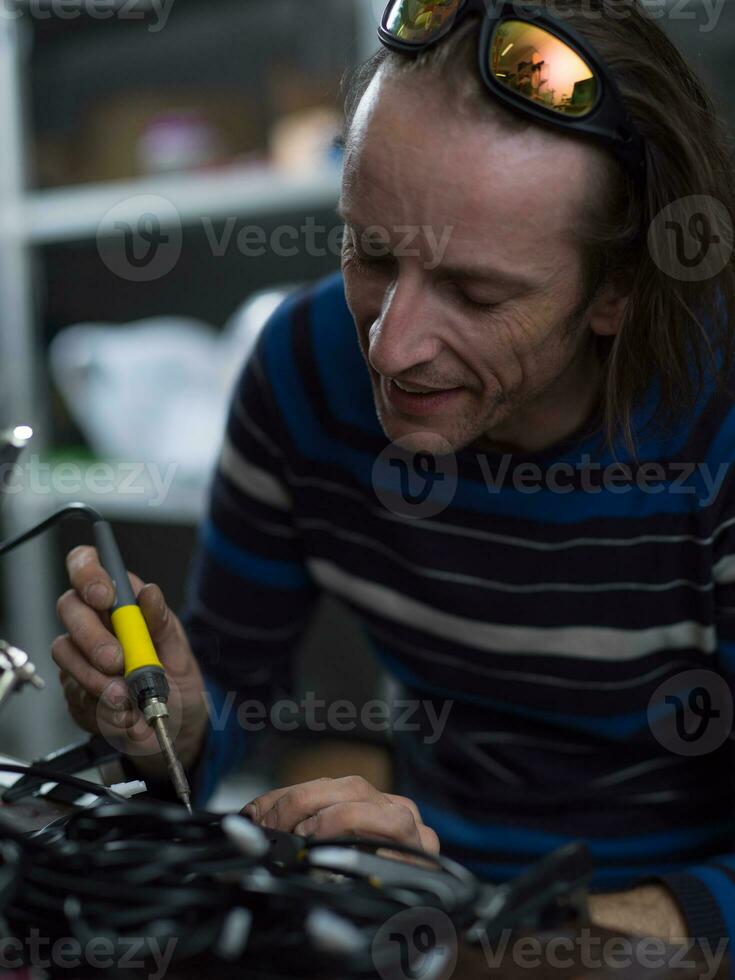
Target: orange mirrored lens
[534,63]
[419,21]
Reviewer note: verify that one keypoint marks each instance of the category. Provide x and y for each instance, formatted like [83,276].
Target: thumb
[166,631]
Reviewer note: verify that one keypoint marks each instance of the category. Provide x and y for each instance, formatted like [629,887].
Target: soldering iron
[144,673]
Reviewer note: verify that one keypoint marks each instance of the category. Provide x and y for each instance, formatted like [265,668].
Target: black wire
[76,509]
[51,775]
[137,869]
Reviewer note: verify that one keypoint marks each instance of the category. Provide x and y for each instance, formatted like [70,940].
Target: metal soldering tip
[175,769]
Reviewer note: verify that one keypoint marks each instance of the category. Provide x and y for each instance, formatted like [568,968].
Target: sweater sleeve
[249,595]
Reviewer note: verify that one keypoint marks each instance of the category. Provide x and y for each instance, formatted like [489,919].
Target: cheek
[515,347]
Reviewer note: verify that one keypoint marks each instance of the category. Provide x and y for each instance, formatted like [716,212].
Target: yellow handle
[131,630]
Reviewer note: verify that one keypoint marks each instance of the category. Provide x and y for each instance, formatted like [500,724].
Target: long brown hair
[673,330]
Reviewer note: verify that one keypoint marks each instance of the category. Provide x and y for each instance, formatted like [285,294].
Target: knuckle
[358,786]
[409,804]
[58,647]
[404,819]
[91,636]
[293,799]
[62,603]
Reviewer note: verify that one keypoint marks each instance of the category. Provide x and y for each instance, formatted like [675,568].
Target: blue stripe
[264,571]
[612,726]
[723,892]
[488,837]
[726,654]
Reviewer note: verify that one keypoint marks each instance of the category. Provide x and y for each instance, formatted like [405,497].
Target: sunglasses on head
[532,62]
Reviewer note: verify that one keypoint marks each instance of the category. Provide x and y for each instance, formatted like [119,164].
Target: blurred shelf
[76,213]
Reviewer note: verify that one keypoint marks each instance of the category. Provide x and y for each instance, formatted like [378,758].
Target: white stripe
[632,772]
[494,585]
[527,678]
[265,527]
[486,762]
[253,480]
[583,642]
[723,571]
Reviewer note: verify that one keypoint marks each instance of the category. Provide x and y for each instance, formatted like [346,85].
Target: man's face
[470,303]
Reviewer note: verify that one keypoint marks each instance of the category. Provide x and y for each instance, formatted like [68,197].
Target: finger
[68,657]
[258,807]
[166,631]
[380,821]
[99,717]
[306,799]
[429,839]
[98,644]
[89,579]
[81,706]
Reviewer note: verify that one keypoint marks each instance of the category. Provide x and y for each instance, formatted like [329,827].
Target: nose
[405,335]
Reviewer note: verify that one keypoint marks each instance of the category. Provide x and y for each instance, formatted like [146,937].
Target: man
[533,628]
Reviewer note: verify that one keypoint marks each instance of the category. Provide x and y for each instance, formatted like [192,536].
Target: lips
[417,403]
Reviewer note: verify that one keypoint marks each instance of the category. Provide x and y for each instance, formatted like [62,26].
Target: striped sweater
[567,624]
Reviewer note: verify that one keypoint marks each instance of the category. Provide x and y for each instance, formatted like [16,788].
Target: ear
[606,313]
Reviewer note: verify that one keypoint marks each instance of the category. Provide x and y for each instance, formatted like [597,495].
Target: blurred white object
[157,391]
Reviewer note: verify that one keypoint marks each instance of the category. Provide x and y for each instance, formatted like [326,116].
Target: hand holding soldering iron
[90,662]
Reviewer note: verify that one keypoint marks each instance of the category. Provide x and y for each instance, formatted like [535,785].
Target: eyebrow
[476,273]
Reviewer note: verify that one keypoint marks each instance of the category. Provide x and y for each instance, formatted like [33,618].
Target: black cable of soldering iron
[80,509]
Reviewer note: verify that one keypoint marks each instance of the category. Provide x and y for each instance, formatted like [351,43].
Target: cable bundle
[215,885]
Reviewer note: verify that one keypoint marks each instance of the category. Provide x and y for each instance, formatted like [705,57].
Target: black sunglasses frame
[608,120]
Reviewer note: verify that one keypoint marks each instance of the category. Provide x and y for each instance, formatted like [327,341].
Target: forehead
[413,159]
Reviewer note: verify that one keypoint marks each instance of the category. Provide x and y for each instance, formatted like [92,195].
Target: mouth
[417,400]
